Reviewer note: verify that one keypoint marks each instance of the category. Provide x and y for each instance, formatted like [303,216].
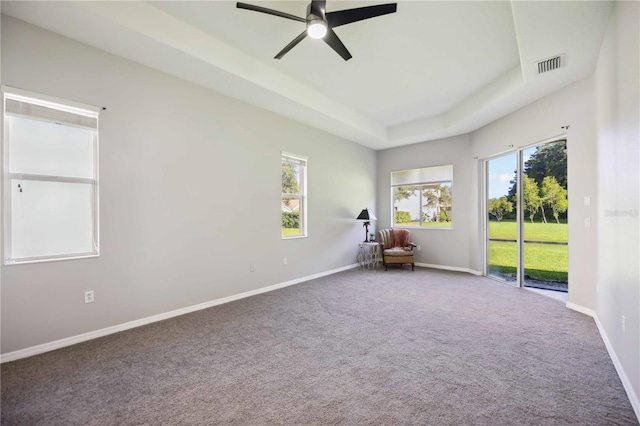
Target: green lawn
[290,232]
[548,262]
[542,261]
[506,230]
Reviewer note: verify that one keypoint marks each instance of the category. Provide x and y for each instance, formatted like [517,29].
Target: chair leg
[412,265]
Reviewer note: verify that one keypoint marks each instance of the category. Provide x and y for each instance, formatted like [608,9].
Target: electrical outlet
[587,222]
[252,268]
[284,262]
[88,296]
[624,324]
[418,248]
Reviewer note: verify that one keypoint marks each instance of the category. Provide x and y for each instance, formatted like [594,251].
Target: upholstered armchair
[396,247]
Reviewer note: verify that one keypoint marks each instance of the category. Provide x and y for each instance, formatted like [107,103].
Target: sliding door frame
[484,210]
[520,221]
[485,216]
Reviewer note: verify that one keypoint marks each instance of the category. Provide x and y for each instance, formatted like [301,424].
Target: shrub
[402,217]
[290,219]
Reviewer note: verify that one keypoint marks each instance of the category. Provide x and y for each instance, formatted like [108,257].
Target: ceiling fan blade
[269,11]
[319,7]
[343,17]
[291,45]
[331,38]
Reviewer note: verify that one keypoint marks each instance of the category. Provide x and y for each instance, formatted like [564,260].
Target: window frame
[301,197]
[421,184]
[8,176]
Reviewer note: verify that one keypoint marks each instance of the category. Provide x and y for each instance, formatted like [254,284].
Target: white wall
[618,139]
[439,246]
[189,195]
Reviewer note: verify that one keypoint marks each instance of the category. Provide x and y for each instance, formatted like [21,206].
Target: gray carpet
[360,347]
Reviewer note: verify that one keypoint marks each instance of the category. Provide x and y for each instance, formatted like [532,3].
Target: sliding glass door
[502,224]
[526,221]
[545,257]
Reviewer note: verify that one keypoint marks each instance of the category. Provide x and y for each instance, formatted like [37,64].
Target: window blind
[423,175]
[69,116]
[293,159]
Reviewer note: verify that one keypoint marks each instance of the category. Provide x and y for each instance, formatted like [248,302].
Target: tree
[554,196]
[289,181]
[530,196]
[438,198]
[548,160]
[499,206]
[403,192]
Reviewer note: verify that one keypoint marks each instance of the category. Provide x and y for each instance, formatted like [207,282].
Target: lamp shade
[366,214]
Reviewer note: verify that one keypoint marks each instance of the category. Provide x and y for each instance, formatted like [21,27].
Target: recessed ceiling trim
[158,25]
[416,130]
[165,39]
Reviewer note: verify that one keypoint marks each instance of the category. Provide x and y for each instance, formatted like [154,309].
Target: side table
[368,255]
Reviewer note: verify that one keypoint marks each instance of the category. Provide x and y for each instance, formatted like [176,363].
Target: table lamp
[367,216]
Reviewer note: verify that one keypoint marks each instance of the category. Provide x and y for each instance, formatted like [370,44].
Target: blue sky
[501,172]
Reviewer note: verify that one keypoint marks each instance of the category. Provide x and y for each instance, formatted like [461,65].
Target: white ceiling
[431,70]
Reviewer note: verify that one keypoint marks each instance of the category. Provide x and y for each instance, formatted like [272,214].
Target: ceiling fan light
[317,28]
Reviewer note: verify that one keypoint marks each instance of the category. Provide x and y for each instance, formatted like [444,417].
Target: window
[294,196]
[422,197]
[50,178]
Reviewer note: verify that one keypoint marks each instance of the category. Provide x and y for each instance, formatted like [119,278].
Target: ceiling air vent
[550,64]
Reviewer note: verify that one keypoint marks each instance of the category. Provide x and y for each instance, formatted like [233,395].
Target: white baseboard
[581,309]
[626,383]
[449,268]
[46,347]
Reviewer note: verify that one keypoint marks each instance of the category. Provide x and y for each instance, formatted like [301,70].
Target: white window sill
[11,262]
[422,228]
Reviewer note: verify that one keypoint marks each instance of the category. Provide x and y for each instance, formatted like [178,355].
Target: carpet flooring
[360,347]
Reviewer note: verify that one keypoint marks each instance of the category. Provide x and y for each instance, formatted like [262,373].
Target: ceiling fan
[320,24]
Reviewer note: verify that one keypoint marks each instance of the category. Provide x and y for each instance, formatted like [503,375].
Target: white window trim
[302,196]
[64,105]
